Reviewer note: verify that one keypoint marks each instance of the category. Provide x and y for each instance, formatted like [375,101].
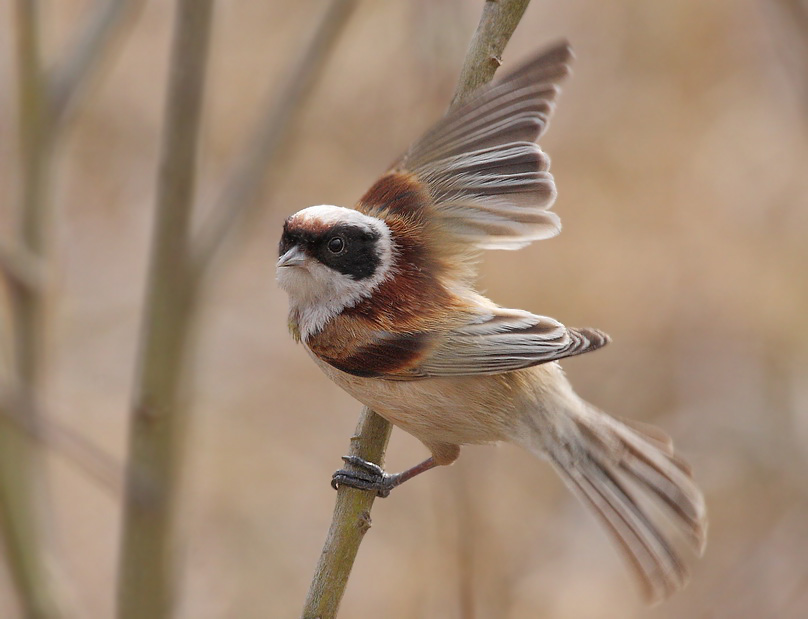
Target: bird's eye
[336,245]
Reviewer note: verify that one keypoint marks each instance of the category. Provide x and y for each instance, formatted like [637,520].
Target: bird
[382,297]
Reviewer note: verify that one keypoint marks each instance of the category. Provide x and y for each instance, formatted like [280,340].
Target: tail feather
[676,490]
[654,435]
[614,467]
[656,564]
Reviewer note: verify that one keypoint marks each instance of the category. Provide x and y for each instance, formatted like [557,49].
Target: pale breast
[460,410]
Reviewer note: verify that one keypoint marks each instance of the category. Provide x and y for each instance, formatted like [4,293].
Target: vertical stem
[20,476]
[147,561]
[33,210]
[18,521]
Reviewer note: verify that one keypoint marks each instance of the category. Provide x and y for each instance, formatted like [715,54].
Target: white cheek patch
[329,292]
[318,293]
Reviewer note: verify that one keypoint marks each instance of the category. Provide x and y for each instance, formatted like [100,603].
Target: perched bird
[382,298]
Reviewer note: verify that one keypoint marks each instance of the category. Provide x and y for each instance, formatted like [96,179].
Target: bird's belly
[458,410]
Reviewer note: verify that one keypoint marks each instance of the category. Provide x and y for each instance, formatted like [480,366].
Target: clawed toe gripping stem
[365,476]
[368,476]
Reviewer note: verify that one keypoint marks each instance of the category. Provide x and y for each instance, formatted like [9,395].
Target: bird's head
[332,257]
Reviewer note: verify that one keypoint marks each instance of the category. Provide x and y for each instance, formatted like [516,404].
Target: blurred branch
[101,28]
[789,21]
[259,157]
[86,456]
[147,572]
[20,510]
[33,211]
[21,269]
[351,517]
[146,569]
[484,56]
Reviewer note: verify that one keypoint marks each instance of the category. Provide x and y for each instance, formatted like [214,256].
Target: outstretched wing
[506,340]
[493,341]
[487,179]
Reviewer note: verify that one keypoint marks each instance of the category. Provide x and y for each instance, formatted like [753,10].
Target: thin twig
[267,137]
[352,512]
[498,21]
[147,575]
[85,455]
[101,28]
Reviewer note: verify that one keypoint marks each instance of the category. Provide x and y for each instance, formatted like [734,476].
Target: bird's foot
[365,476]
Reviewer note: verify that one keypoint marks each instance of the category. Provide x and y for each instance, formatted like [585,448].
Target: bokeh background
[680,149]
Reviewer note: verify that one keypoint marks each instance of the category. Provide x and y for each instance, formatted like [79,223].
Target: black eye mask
[350,250]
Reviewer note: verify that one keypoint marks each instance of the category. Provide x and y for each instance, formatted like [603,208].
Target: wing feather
[489,181]
[494,341]
[507,340]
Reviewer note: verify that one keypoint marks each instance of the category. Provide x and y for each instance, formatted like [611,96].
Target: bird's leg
[369,476]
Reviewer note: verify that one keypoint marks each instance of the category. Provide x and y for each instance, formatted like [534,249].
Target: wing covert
[507,340]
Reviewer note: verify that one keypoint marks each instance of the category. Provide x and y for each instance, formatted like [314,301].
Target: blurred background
[680,150]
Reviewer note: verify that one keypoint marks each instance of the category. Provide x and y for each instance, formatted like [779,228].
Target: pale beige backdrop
[680,149]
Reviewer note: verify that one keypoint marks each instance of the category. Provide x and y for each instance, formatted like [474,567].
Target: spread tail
[612,466]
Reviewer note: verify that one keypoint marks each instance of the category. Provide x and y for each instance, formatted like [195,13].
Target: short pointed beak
[295,257]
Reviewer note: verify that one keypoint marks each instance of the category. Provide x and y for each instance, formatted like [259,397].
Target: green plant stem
[18,520]
[19,465]
[147,560]
[352,511]
[33,211]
